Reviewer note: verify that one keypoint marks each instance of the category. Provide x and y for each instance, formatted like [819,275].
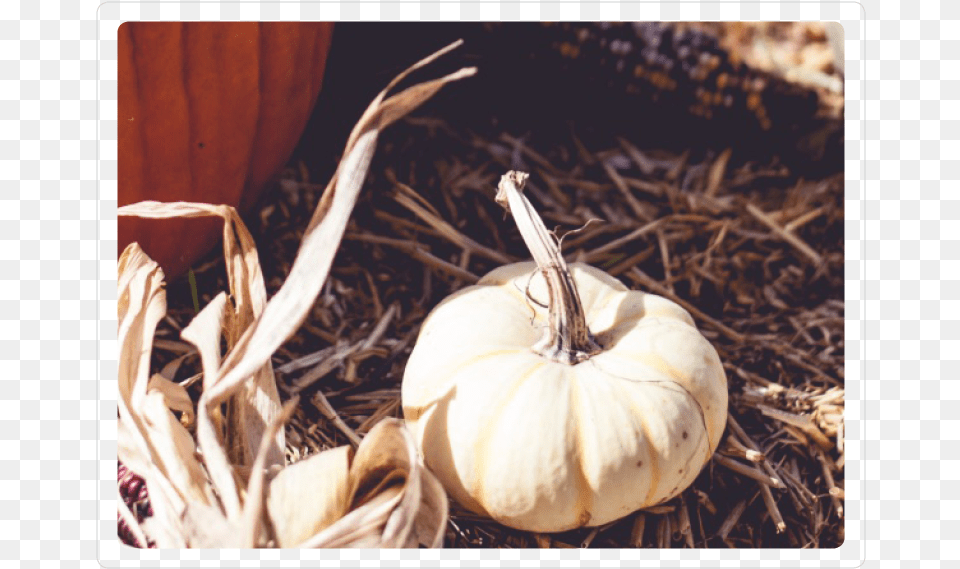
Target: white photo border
[852,16]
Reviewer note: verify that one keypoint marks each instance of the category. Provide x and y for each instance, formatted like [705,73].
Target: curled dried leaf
[309,496]
[258,402]
[174,396]
[393,500]
[382,497]
[152,442]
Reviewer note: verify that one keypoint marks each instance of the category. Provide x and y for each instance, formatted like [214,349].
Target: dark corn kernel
[635,78]
[654,58]
[133,492]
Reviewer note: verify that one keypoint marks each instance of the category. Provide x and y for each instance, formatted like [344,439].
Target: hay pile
[753,249]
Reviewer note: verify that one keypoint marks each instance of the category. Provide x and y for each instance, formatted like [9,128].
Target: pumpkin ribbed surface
[546,446]
[208,112]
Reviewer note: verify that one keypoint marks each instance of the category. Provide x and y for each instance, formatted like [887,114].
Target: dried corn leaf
[204,332]
[205,527]
[252,522]
[127,516]
[151,441]
[393,500]
[389,498]
[288,308]
[309,496]
[141,303]
[167,525]
[175,449]
[169,371]
[258,402]
[174,396]
[131,447]
[390,461]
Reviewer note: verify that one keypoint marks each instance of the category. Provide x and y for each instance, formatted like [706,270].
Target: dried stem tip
[567,338]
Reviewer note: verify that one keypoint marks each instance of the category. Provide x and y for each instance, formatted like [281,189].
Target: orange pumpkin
[208,112]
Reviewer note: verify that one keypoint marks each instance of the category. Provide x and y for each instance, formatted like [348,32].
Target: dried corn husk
[150,440]
[383,497]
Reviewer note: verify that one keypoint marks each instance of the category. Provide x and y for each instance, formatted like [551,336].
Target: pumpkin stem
[567,338]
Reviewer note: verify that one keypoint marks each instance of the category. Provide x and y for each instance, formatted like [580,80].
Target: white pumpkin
[554,403]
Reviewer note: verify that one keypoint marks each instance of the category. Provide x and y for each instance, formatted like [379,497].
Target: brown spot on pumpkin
[685,435]
[583,519]
[200,145]
[639,463]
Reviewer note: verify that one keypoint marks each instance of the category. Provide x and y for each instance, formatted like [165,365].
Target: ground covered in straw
[751,246]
